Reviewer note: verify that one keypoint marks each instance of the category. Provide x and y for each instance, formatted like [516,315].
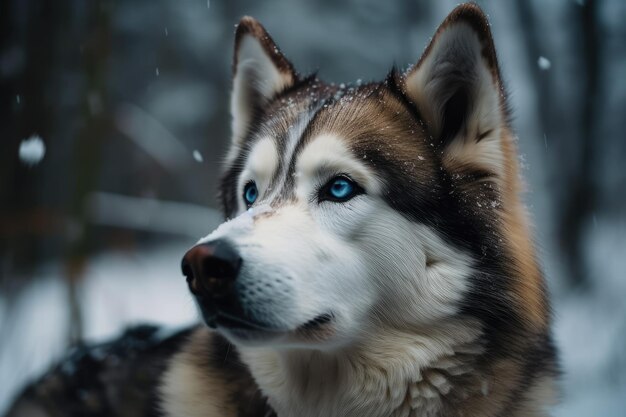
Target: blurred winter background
[114,117]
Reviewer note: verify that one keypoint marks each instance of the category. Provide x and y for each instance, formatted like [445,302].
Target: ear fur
[457,88]
[260,71]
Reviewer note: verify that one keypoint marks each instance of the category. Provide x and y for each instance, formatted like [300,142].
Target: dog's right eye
[250,193]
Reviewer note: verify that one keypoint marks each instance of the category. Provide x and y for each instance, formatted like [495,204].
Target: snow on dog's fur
[383,262]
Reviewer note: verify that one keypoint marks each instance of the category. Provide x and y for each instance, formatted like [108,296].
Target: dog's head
[357,207]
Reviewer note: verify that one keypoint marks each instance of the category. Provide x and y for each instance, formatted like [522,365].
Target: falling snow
[32,150]
[544,63]
[197,155]
[157,71]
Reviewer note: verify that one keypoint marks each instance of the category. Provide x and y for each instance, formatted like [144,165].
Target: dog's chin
[241,332]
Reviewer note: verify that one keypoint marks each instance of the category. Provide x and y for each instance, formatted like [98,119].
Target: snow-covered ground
[121,289]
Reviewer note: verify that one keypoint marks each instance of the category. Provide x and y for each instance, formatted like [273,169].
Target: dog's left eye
[339,189]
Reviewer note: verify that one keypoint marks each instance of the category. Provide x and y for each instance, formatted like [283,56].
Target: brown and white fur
[419,296]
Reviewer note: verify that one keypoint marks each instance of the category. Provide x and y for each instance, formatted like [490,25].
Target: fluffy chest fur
[445,374]
[394,374]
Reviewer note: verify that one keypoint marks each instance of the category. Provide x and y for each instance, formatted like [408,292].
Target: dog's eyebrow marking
[328,152]
[290,146]
[305,139]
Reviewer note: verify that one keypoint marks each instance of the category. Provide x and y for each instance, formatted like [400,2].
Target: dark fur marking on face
[228,193]
[302,141]
[475,229]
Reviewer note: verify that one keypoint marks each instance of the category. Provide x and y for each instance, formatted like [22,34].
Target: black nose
[211,268]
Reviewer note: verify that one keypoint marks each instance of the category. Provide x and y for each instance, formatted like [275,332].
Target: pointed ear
[260,71]
[457,88]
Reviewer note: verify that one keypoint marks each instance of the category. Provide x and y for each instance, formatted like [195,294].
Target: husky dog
[377,260]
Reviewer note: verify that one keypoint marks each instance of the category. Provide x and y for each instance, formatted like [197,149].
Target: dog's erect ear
[260,71]
[457,88]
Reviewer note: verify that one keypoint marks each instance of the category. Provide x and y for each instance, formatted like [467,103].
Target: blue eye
[250,193]
[339,189]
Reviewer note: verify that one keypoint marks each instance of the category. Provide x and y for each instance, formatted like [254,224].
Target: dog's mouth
[249,330]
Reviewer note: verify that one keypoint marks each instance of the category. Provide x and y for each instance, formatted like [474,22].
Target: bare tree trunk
[29,64]
[581,201]
[86,161]
[541,79]
[575,159]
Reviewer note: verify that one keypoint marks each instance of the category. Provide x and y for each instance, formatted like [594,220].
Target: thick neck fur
[433,372]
